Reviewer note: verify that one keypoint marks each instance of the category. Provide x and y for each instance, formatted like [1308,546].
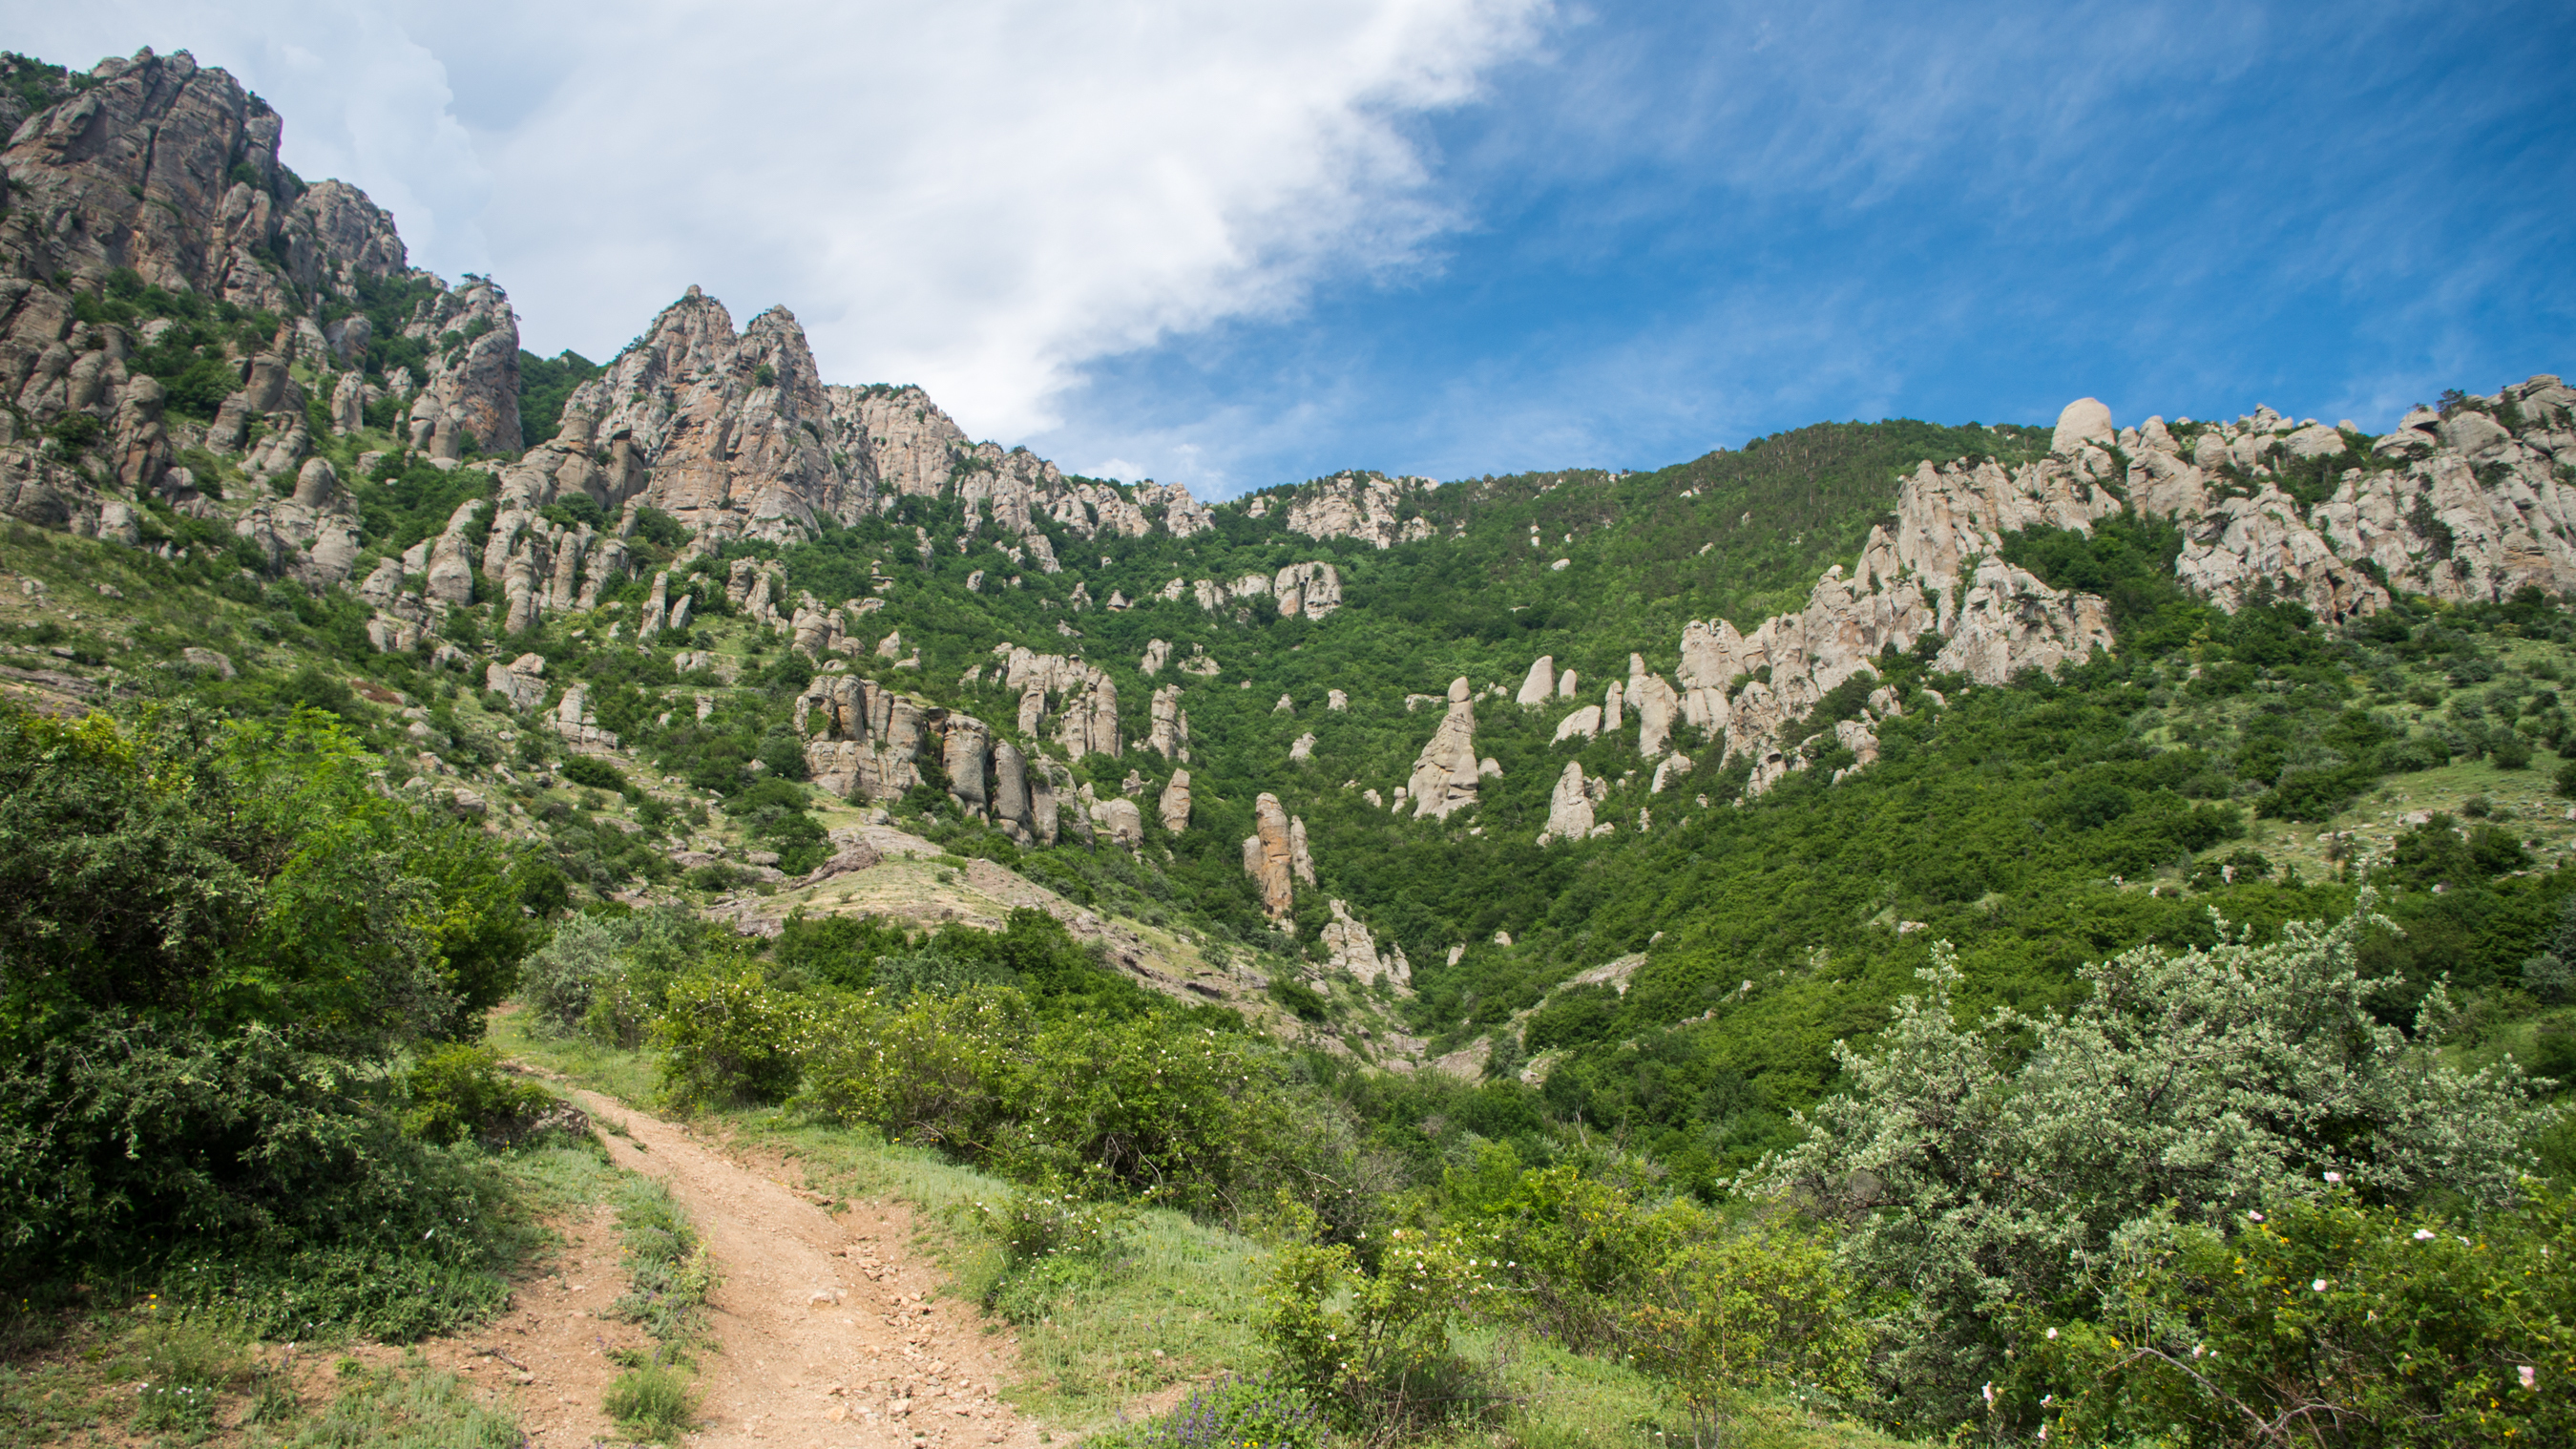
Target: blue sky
[1688,227]
[1235,244]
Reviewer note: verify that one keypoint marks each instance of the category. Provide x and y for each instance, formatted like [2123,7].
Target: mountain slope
[1647,788]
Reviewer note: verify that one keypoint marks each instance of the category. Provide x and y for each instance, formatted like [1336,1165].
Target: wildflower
[2318,1286]
[2052,1335]
[2530,1375]
[2252,1216]
[2423,1235]
[1989,1392]
[2334,1177]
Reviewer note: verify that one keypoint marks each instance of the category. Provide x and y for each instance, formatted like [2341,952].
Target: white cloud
[979,197]
[976,197]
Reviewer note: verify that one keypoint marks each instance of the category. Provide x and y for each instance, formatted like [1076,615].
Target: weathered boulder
[1539,683]
[1173,808]
[1444,774]
[1168,734]
[521,681]
[1268,857]
[1569,807]
[2085,420]
[1348,946]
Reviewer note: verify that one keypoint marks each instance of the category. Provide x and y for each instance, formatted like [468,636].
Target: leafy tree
[215,939]
[2326,1320]
[1982,1171]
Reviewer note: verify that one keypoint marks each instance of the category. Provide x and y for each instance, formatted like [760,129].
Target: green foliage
[545,385]
[652,1403]
[1992,1169]
[1372,1349]
[725,1037]
[1053,1245]
[596,773]
[457,1091]
[668,1269]
[216,939]
[2326,1319]
[1762,1310]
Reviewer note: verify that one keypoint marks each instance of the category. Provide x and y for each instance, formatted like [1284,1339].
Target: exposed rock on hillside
[1169,733]
[1539,684]
[1269,857]
[1173,808]
[1366,506]
[1445,773]
[1348,946]
[1569,806]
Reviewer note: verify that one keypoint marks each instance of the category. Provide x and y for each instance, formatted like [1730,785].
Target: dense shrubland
[219,949]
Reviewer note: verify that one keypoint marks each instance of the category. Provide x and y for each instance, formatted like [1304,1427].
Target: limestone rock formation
[1173,808]
[1539,684]
[2085,420]
[1348,946]
[1085,702]
[1367,506]
[1445,773]
[734,430]
[1268,857]
[1168,733]
[1569,806]
[1121,822]
[521,681]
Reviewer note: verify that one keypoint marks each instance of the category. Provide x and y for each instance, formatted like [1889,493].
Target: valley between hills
[1866,937]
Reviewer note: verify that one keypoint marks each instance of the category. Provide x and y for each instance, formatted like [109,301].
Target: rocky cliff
[2475,504]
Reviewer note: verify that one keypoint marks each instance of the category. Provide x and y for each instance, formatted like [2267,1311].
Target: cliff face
[734,431]
[158,173]
[2472,506]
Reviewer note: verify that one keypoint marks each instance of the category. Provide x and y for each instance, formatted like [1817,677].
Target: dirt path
[824,1329]
[826,1332]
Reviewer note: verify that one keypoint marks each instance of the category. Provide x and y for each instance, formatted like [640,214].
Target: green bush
[1372,1349]
[1053,1245]
[594,772]
[458,1091]
[2392,1327]
[653,1403]
[727,1038]
[216,941]
[1981,1168]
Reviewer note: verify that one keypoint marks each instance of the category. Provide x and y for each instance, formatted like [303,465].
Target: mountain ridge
[212,360]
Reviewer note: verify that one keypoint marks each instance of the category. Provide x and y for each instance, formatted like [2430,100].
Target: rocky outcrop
[1269,858]
[734,431]
[1173,808]
[170,168]
[473,384]
[2008,621]
[1169,733]
[1569,806]
[1311,589]
[1121,821]
[1539,684]
[521,682]
[1085,701]
[1445,773]
[1366,506]
[1349,947]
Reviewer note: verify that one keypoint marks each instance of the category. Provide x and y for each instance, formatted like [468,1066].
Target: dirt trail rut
[825,1329]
